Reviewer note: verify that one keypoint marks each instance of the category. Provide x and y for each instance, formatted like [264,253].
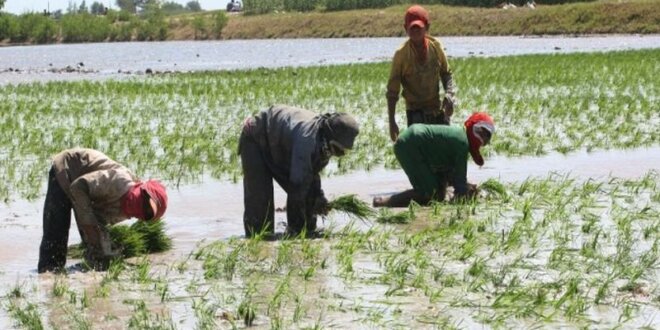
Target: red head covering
[417,15]
[478,119]
[132,203]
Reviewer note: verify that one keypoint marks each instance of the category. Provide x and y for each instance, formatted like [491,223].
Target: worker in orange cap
[434,156]
[420,66]
[101,192]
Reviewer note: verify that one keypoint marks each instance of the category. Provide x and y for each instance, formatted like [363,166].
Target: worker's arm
[446,78]
[459,179]
[85,191]
[392,95]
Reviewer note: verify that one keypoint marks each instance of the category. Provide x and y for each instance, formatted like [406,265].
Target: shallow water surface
[111,60]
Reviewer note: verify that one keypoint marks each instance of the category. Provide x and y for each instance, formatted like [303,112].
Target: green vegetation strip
[183,127]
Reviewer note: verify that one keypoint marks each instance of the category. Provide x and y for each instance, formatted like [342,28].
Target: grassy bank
[180,127]
[635,16]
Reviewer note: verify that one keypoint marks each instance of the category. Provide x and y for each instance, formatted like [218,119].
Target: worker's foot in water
[401,199]
[312,234]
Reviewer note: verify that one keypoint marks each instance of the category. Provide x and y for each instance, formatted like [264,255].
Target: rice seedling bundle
[494,188]
[351,204]
[137,239]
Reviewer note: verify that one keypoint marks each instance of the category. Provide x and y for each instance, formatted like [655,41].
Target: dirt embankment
[635,16]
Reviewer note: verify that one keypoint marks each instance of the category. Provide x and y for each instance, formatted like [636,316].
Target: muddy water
[213,210]
[107,60]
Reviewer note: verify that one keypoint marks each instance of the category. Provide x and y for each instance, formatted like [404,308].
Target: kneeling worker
[434,156]
[290,145]
[101,192]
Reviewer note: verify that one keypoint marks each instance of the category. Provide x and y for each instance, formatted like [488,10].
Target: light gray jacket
[94,183]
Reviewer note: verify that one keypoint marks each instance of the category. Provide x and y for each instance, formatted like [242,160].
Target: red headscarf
[132,202]
[478,119]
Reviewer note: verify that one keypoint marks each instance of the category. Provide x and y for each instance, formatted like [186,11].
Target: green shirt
[428,151]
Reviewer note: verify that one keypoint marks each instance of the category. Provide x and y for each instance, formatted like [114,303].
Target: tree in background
[199,26]
[194,6]
[2,3]
[97,8]
[172,7]
[83,8]
[219,22]
[127,5]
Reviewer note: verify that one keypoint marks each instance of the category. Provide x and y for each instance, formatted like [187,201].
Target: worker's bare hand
[321,205]
[394,131]
[448,107]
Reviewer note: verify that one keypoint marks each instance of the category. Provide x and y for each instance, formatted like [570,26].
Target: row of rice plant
[182,127]
[545,252]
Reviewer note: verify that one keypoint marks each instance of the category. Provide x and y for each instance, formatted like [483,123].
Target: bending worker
[434,156]
[101,192]
[290,145]
[420,65]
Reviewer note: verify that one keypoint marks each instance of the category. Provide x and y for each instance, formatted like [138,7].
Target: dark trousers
[56,223]
[258,196]
[422,117]
[257,189]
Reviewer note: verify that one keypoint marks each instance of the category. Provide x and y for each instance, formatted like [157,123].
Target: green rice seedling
[205,314]
[16,291]
[388,217]
[142,318]
[134,240]
[80,321]
[351,204]
[247,312]
[154,237]
[27,317]
[131,242]
[142,271]
[59,287]
[495,188]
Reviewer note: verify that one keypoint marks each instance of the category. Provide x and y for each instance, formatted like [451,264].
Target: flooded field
[117,60]
[371,273]
[565,234]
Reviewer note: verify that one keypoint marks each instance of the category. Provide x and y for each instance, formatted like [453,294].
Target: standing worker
[101,192]
[434,156]
[290,145]
[420,65]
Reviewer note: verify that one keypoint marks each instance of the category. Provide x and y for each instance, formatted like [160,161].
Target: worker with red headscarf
[101,192]
[419,66]
[434,156]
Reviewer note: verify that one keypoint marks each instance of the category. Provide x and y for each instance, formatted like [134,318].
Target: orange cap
[417,15]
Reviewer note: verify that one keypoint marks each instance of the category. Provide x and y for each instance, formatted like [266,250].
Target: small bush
[220,20]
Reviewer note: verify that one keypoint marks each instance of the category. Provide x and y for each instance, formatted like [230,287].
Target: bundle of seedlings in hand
[494,188]
[153,235]
[139,238]
[352,205]
[387,216]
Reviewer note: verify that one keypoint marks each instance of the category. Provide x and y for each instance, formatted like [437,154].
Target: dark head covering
[340,127]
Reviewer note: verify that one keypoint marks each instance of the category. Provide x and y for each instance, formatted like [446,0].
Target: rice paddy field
[558,250]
